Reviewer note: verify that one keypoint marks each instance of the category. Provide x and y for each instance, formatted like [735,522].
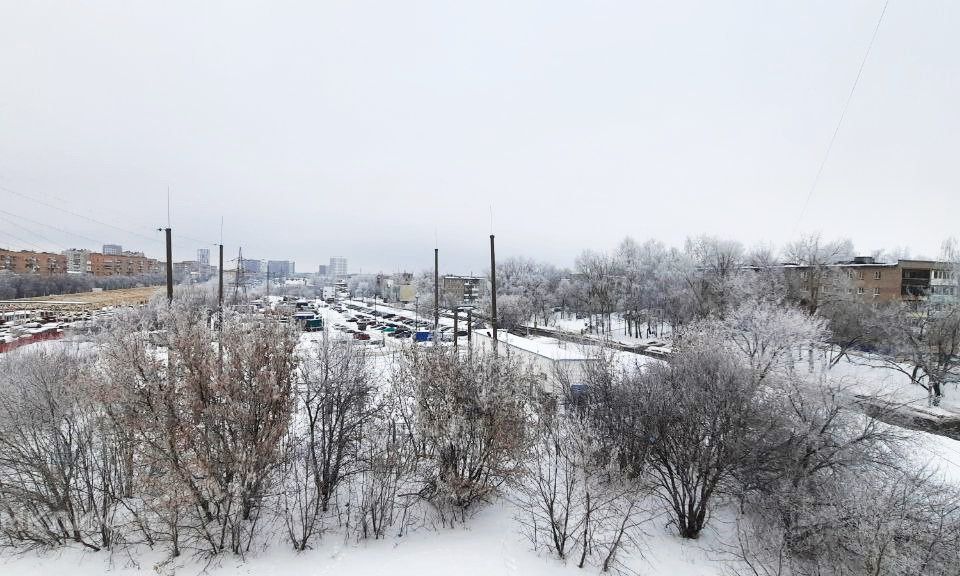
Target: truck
[313,325]
[329,293]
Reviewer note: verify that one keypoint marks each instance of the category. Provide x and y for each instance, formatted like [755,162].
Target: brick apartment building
[126,264]
[878,281]
[26,262]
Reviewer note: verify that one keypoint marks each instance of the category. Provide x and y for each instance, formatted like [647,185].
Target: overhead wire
[78,215]
[21,240]
[33,232]
[176,239]
[52,227]
[843,113]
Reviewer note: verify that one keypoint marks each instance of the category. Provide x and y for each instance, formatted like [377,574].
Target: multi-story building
[338,267]
[78,261]
[26,262]
[203,256]
[281,268]
[322,270]
[877,281]
[112,249]
[462,289]
[251,266]
[125,264]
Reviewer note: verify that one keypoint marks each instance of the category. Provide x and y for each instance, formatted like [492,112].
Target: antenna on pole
[168,206]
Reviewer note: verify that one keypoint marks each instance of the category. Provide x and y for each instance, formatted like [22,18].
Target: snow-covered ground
[489,544]
[618,330]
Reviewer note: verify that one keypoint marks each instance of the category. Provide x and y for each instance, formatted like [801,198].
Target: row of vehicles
[22,327]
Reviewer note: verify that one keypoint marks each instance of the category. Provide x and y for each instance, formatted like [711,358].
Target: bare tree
[60,476]
[336,402]
[696,414]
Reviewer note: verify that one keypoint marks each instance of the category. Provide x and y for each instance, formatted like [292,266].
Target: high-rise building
[322,270]
[338,266]
[203,256]
[280,268]
[112,249]
[251,266]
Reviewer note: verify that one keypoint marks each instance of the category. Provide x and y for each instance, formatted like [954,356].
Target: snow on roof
[550,348]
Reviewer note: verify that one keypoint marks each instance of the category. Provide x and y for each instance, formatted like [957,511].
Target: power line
[78,215]
[115,227]
[35,233]
[843,113]
[21,240]
[52,227]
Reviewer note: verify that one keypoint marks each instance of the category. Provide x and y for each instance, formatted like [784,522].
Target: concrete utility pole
[493,292]
[169,266]
[436,294]
[220,288]
[470,332]
[456,326]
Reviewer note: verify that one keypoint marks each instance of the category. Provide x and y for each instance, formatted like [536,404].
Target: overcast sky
[368,129]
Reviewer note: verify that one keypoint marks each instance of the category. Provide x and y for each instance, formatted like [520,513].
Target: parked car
[361,336]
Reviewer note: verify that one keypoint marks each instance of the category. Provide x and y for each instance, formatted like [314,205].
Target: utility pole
[169,266]
[493,293]
[436,294]
[470,332]
[456,326]
[220,315]
[220,287]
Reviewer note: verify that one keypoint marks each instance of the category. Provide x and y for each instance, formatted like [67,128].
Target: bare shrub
[468,418]
[62,475]
[209,412]
[571,500]
[337,401]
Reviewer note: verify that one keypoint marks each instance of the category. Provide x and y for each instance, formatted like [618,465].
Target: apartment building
[26,262]
[337,267]
[877,281]
[125,264]
[78,261]
[281,268]
[462,289]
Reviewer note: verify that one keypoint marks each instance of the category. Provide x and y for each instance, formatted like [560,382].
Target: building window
[876,275]
[860,290]
[876,291]
[859,274]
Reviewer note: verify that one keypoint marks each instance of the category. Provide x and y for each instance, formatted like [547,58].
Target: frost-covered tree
[816,255]
[468,416]
[762,334]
